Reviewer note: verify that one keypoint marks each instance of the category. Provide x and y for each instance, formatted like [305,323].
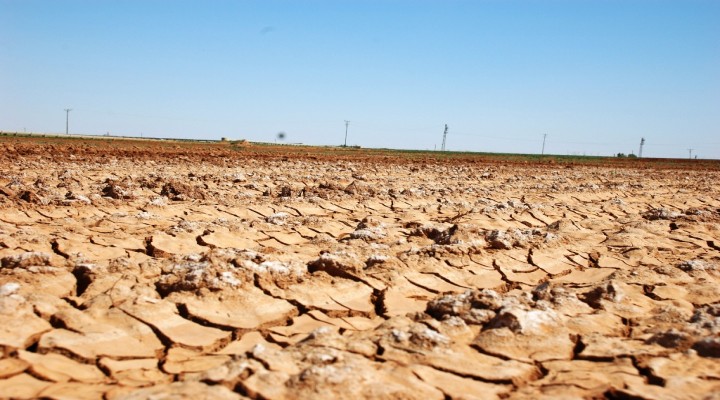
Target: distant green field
[300,150]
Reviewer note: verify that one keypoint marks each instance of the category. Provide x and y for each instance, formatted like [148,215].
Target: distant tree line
[622,155]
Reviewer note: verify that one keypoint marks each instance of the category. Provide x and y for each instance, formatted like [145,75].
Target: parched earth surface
[141,270]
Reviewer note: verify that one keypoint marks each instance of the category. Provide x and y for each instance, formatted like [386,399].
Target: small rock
[285,191]
[77,197]
[180,191]
[116,191]
[7,192]
[30,197]
[472,306]
[278,218]
[660,213]
[696,265]
[25,260]
[708,347]
[671,339]
[499,240]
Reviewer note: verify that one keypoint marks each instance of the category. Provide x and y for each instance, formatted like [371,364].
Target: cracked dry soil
[133,270]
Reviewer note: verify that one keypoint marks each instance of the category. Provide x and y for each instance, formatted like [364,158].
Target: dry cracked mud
[133,270]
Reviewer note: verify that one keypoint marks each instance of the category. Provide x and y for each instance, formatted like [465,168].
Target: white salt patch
[9,288]
[38,269]
[158,202]
[325,358]
[193,257]
[277,218]
[434,336]
[44,257]
[274,266]
[148,300]
[81,198]
[696,265]
[378,258]
[399,336]
[229,278]
[323,330]
[258,349]
[144,215]
[535,319]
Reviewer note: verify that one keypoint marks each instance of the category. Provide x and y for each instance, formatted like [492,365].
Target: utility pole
[642,143]
[543,149]
[346,129]
[690,152]
[444,137]
[67,119]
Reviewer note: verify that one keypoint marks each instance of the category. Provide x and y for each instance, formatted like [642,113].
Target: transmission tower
[346,129]
[642,143]
[67,119]
[442,148]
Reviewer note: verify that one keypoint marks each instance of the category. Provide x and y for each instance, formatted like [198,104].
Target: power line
[525,139]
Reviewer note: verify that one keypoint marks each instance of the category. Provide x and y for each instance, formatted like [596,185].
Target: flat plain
[135,269]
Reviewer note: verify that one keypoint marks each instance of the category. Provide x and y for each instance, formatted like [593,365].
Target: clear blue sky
[595,76]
